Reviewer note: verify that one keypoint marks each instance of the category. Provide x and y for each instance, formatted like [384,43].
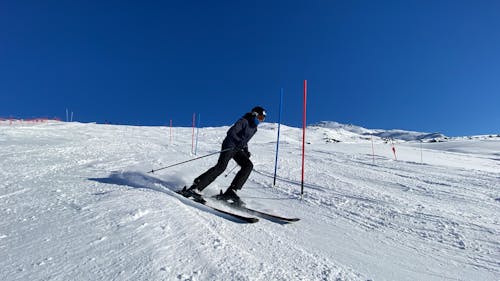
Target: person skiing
[234,146]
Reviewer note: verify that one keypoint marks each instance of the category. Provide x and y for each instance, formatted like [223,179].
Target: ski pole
[152,171]
[233,167]
[231,170]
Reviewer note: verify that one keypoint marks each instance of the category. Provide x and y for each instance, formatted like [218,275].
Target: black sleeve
[234,130]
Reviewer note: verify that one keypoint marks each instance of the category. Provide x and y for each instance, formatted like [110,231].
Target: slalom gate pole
[394,151]
[192,138]
[373,152]
[278,140]
[303,138]
[170,131]
[421,153]
[197,134]
[197,158]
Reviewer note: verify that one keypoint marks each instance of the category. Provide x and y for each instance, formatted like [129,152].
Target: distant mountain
[385,134]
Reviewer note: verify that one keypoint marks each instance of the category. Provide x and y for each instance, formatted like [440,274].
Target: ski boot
[193,193]
[230,197]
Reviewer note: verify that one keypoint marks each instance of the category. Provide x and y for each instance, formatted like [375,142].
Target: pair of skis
[244,218]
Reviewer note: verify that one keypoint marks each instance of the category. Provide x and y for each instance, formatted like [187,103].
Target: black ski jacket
[240,133]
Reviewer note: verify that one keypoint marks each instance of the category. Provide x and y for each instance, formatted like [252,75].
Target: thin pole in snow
[170,131]
[304,138]
[192,138]
[278,140]
[373,152]
[197,134]
[421,153]
[394,150]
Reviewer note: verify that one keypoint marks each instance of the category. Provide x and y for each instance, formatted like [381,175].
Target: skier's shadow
[140,180]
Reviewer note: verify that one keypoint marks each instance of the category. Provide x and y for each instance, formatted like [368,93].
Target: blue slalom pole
[278,141]
[197,133]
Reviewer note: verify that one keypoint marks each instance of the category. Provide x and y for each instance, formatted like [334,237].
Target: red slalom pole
[303,138]
[394,151]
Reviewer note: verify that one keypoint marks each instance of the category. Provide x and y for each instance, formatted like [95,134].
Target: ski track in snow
[77,204]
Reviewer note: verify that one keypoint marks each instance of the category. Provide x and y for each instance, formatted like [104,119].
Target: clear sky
[424,65]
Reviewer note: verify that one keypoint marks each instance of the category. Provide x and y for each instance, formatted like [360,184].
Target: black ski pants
[241,177]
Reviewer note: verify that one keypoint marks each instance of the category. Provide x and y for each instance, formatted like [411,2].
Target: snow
[386,134]
[77,203]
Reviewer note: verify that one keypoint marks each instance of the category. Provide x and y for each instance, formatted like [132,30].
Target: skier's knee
[249,165]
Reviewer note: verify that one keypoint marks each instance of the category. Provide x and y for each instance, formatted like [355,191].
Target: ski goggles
[260,117]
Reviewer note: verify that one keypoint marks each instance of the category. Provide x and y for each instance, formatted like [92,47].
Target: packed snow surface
[77,203]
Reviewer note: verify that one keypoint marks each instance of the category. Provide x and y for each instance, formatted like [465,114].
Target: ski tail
[269,215]
[238,216]
[242,207]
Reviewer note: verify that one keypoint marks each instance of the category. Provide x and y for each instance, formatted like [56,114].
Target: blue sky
[416,65]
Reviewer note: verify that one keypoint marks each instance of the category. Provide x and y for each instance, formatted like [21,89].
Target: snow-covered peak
[385,134]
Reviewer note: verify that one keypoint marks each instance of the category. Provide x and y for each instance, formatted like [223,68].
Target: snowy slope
[77,203]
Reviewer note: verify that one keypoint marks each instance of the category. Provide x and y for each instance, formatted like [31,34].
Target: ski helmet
[259,112]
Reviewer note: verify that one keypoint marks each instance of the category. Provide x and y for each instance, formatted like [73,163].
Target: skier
[234,146]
